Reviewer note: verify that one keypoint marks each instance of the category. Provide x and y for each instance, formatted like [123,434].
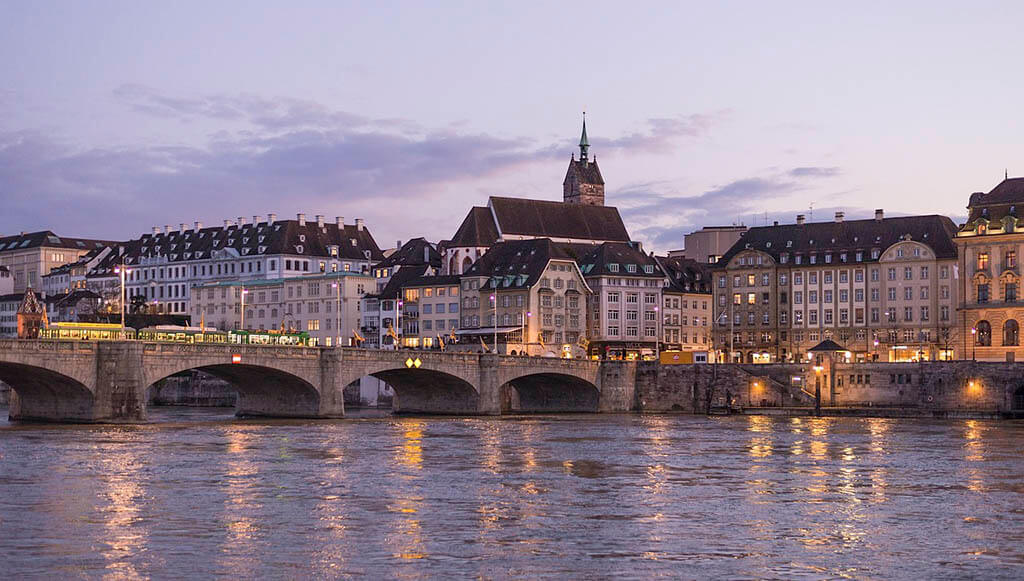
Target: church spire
[584,144]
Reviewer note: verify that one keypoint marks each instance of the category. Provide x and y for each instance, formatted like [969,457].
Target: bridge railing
[34,345]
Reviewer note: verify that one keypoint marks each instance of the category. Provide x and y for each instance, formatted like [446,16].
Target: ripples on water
[201,494]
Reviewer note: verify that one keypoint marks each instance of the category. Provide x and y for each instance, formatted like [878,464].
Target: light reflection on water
[203,495]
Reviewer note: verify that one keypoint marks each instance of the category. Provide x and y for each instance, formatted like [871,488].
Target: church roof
[30,304]
[558,220]
[477,230]
[1006,199]
[586,172]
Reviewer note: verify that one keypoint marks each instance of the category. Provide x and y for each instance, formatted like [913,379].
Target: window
[751,280]
[613,297]
[1011,333]
[908,273]
[891,274]
[827,296]
[737,299]
[827,277]
[1010,292]
[812,278]
[798,278]
[874,314]
[983,293]
[924,292]
[908,293]
[892,294]
[812,297]
[812,318]
[874,275]
[943,272]
[944,313]
[982,260]
[858,276]
[874,295]
[924,313]
[858,295]
[721,282]
[751,298]
[983,333]
[908,314]
[844,276]
[924,273]
[844,295]
[764,280]
[1010,257]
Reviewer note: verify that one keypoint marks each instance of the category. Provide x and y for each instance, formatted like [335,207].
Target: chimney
[839,217]
[340,221]
[156,230]
[241,220]
[775,223]
[255,220]
[398,244]
[227,223]
[199,226]
[319,221]
[271,218]
[359,224]
[879,214]
[167,228]
[301,218]
[800,219]
[181,228]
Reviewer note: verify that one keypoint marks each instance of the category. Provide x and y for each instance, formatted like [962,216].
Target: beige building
[31,256]
[326,306]
[430,311]
[884,288]
[686,305]
[530,295]
[990,245]
[709,243]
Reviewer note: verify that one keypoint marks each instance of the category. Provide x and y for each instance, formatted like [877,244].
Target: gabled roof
[477,230]
[30,304]
[414,252]
[586,173]
[618,259]
[847,236]
[519,263]
[46,238]
[558,220]
[685,275]
[827,345]
[1006,199]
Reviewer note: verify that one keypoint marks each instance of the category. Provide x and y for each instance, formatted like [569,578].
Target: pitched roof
[558,220]
[519,263]
[619,259]
[1002,201]
[847,236]
[30,304]
[827,345]
[477,230]
[586,173]
[46,238]
[436,280]
[280,237]
[685,275]
[412,253]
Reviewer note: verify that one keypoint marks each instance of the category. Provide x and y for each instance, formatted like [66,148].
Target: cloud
[661,133]
[667,218]
[275,155]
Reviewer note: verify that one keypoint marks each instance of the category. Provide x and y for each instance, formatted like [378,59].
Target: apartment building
[30,256]
[525,297]
[990,245]
[883,288]
[324,305]
[686,304]
[430,311]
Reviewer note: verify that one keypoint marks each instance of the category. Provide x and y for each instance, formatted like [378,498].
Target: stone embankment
[932,389]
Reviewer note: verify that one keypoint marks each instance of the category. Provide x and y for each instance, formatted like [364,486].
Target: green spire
[584,144]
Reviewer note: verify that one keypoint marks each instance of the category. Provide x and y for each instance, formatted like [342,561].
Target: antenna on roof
[810,212]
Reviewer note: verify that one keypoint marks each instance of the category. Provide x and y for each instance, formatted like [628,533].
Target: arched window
[451,266]
[984,333]
[1011,332]
[466,263]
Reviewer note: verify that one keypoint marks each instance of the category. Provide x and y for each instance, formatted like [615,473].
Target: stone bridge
[108,381]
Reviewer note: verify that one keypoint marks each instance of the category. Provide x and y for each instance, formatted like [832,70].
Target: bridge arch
[46,395]
[549,392]
[424,390]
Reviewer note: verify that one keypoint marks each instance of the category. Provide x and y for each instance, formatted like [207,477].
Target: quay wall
[926,388]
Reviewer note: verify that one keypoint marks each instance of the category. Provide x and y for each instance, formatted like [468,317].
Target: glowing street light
[974,343]
[122,270]
[337,311]
[244,292]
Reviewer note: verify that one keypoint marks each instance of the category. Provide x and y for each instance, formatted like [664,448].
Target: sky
[119,116]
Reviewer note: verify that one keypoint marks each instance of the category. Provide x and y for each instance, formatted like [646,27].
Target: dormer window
[302,237]
[299,249]
[631,268]
[649,269]
[982,228]
[613,268]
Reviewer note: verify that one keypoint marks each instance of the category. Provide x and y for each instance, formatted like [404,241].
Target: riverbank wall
[930,389]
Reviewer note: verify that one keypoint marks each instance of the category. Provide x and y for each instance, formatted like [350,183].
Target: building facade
[709,243]
[324,305]
[686,305]
[30,256]
[885,289]
[990,244]
[430,311]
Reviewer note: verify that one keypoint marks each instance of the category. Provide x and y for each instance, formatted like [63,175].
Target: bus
[87,332]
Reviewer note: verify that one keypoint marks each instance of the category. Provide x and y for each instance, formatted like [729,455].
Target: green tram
[176,334]
[173,334]
[273,337]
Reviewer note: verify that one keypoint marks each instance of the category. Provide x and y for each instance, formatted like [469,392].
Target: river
[199,494]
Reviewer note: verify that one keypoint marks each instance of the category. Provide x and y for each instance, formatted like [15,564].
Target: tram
[178,334]
[87,332]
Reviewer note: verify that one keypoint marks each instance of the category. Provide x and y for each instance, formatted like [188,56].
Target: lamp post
[242,325]
[657,330]
[974,343]
[398,307]
[337,311]
[122,270]
[494,302]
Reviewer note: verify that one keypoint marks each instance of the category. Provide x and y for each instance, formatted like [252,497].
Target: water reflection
[121,468]
[546,496]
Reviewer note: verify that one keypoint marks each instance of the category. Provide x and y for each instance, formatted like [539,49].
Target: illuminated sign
[236,358]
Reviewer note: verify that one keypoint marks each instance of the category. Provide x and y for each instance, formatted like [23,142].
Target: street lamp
[657,330]
[974,343]
[494,301]
[242,325]
[337,311]
[122,270]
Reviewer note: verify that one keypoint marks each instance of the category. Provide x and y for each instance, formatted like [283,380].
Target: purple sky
[118,116]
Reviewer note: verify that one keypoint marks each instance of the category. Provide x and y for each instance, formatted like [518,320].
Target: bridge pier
[120,394]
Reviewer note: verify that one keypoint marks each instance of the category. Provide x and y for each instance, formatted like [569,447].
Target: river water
[199,494]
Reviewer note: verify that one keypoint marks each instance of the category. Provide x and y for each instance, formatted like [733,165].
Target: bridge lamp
[123,271]
[337,310]
[494,301]
[242,325]
[974,343]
